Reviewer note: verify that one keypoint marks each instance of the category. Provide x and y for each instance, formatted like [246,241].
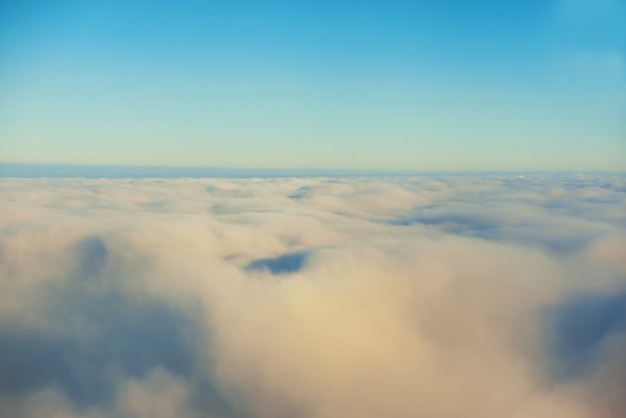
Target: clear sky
[452,84]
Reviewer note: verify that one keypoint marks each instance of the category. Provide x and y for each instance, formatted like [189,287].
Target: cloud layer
[440,296]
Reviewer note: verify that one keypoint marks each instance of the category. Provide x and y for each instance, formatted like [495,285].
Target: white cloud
[399,297]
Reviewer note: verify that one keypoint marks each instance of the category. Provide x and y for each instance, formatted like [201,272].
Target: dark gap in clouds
[612,199]
[570,207]
[613,187]
[559,245]
[462,220]
[562,245]
[301,193]
[286,263]
[579,327]
[494,228]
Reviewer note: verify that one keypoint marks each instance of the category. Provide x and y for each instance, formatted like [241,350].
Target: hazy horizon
[22,170]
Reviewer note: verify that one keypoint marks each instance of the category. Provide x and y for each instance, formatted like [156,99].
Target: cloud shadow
[579,327]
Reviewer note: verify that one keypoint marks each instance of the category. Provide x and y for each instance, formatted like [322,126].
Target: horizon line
[39,170]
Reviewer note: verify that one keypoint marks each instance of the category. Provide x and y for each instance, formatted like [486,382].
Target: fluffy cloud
[431,296]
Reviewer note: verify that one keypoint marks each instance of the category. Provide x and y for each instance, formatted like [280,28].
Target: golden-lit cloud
[496,296]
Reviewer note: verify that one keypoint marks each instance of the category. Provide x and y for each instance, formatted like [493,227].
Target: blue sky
[315,84]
